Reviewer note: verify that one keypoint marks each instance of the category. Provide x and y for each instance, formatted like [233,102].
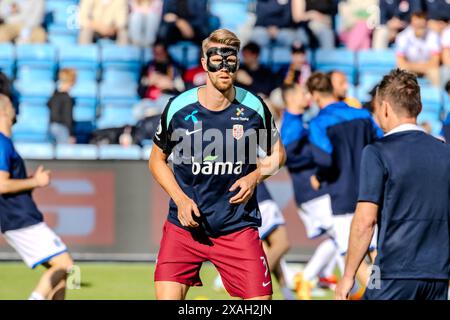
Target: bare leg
[168,290]
[52,284]
[278,245]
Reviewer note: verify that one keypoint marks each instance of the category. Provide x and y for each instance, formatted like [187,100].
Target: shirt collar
[405,127]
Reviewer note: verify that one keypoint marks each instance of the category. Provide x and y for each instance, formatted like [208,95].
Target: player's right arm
[41,178]
[163,174]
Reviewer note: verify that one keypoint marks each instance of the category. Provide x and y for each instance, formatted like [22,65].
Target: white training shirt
[417,49]
[445,38]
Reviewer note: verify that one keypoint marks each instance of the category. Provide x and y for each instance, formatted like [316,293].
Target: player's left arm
[269,142]
[365,219]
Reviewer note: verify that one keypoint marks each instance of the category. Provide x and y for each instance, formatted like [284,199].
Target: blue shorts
[409,289]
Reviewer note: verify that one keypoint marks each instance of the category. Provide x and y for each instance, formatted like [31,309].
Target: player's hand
[246,187]
[185,209]
[343,288]
[315,183]
[42,177]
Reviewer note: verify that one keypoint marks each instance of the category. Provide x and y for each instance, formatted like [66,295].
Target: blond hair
[67,75]
[222,36]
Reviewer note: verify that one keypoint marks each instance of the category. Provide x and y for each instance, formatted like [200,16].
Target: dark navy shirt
[17,210]
[338,135]
[299,162]
[262,193]
[437,9]
[408,175]
[402,9]
[211,150]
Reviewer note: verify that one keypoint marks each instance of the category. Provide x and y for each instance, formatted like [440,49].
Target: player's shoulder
[250,100]
[5,142]
[179,102]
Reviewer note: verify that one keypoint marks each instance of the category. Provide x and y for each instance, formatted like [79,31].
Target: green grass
[107,281]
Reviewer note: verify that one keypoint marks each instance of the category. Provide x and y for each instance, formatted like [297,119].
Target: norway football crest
[238,131]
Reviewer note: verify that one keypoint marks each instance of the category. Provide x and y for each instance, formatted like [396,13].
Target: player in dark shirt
[214,134]
[405,190]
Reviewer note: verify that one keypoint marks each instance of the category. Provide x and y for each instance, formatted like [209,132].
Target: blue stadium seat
[41,151]
[336,59]
[85,57]
[232,13]
[36,56]
[120,76]
[446,102]
[62,11]
[147,55]
[146,150]
[118,93]
[35,92]
[108,152]
[432,118]
[62,39]
[84,112]
[121,57]
[367,82]
[115,116]
[377,62]
[431,99]
[85,92]
[186,54]
[32,124]
[76,151]
[30,74]
[7,59]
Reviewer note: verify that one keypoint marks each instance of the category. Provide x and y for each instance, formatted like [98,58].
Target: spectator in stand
[195,77]
[7,89]
[357,20]
[103,19]
[445,44]
[161,78]
[438,14]
[274,24]
[418,49]
[184,20]
[144,20]
[21,21]
[340,88]
[318,17]
[394,18]
[251,75]
[61,108]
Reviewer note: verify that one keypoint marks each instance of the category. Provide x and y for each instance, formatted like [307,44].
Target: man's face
[298,59]
[8,113]
[340,85]
[221,64]
[249,57]
[419,26]
[160,54]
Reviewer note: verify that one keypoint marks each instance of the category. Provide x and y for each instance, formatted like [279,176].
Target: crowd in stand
[419,31]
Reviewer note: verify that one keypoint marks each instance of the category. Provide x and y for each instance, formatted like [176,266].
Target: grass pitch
[110,281]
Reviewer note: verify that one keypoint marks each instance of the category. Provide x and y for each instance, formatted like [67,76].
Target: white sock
[325,252]
[328,271]
[36,296]
[288,274]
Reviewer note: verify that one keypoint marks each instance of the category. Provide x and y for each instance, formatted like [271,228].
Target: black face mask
[224,52]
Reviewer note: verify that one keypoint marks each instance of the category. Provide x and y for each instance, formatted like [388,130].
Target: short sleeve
[401,44]
[371,181]
[445,39]
[269,134]
[6,152]
[434,44]
[162,137]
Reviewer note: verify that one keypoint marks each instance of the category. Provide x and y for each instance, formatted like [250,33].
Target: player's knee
[62,262]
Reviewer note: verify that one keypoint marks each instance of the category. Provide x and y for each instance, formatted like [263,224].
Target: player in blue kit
[21,222]
[214,134]
[405,189]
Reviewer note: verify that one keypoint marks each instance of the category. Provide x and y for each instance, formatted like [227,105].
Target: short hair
[253,47]
[222,36]
[420,15]
[319,82]
[287,87]
[67,75]
[401,89]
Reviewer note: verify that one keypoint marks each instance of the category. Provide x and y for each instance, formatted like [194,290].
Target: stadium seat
[62,39]
[85,57]
[30,74]
[7,59]
[85,92]
[232,13]
[378,62]
[41,151]
[84,112]
[367,82]
[185,53]
[121,58]
[115,117]
[146,150]
[35,92]
[446,102]
[433,119]
[118,93]
[120,76]
[62,12]
[336,59]
[37,56]
[431,99]
[32,123]
[76,152]
[110,152]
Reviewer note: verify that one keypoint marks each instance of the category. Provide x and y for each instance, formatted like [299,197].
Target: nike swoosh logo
[188,133]
[265,284]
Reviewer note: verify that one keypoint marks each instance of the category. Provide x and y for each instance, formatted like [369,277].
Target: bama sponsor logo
[210,166]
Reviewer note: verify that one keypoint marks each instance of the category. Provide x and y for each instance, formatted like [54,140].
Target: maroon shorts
[239,258]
